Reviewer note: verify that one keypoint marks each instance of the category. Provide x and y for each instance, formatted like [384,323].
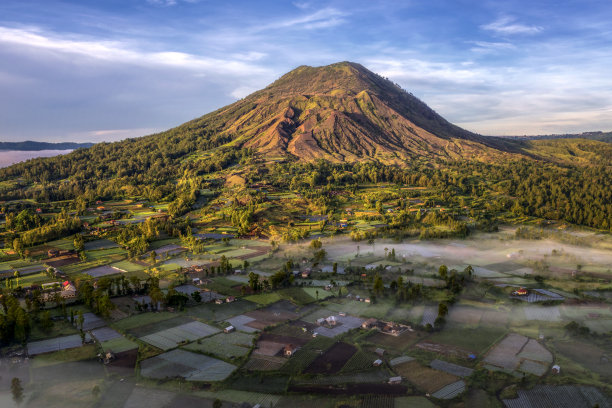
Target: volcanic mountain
[344,112]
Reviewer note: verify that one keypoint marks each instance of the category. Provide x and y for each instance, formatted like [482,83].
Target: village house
[230,299]
[229,329]
[377,363]
[395,380]
[290,350]
[306,273]
[370,323]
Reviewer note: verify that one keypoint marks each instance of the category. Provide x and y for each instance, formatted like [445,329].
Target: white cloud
[491,47]
[508,26]
[324,18]
[124,52]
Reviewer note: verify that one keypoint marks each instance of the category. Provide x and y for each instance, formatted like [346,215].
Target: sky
[94,71]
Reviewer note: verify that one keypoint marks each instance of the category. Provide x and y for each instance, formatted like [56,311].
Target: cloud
[491,47]
[126,52]
[324,18]
[508,26]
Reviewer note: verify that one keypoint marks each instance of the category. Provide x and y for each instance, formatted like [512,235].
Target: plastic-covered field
[91,321]
[450,391]
[543,313]
[429,315]
[105,334]
[451,368]
[103,271]
[240,323]
[191,366]
[170,338]
[559,396]
[56,344]
[517,352]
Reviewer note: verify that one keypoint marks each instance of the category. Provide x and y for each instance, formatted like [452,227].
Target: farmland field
[224,345]
[191,366]
[425,378]
[332,360]
[172,337]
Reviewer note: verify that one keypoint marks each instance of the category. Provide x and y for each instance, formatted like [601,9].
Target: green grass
[62,244]
[111,253]
[128,266]
[85,352]
[142,319]
[473,339]
[118,345]
[224,345]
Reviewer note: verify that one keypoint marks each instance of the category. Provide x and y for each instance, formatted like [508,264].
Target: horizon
[107,72]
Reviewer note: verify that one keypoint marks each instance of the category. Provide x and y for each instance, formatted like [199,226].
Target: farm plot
[172,249]
[430,313]
[450,391]
[104,270]
[118,345]
[304,356]
[56,344]
[396,343]
[377,401]
[272,344]
[516,352]
[476,340]
[99,244]
[259,362]
[91,321]
[191,366]
[224,345]
[343,325]
[170,338]
[241,322]
[587,355]
[425,378]
[413,402]
[361,360]
[559,396]
[451,368]
[105,333]
[542,313]
[332,360]
[464,316]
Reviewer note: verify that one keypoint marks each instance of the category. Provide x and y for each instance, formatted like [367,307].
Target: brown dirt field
[63,260]
[332,360]
[393,343]
[268,348]
[264,363]
[425,378]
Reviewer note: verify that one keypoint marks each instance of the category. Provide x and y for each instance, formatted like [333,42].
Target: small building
[52,253]
[197,281]
[395,380]
[520,292]
[230,299]
[377,363]
[380,351]
[290,350]
[320,321]
[556,369]
[370,323]
[342,314]
[306,273]
[229,329]
[38,210]
[219,301]
[367,300]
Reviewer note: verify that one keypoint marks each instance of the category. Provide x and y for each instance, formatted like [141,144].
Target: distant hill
[599,136]
[36,146]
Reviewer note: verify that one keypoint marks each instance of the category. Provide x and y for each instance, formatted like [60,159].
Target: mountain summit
[344,112]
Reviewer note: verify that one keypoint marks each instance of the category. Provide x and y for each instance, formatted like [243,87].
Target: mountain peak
[342,112]
[343,76]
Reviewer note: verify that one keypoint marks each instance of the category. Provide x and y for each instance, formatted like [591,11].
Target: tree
[80,320]
[17,390]
[443,271]
[197,296]
[217,403]
[79,244]
[378,287]
[17,276]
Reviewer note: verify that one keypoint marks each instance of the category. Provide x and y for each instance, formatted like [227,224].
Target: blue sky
[106,70]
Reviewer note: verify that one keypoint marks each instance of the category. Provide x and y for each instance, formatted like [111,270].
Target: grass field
[477,340]
[141,319]
[224,345]
[118,345]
